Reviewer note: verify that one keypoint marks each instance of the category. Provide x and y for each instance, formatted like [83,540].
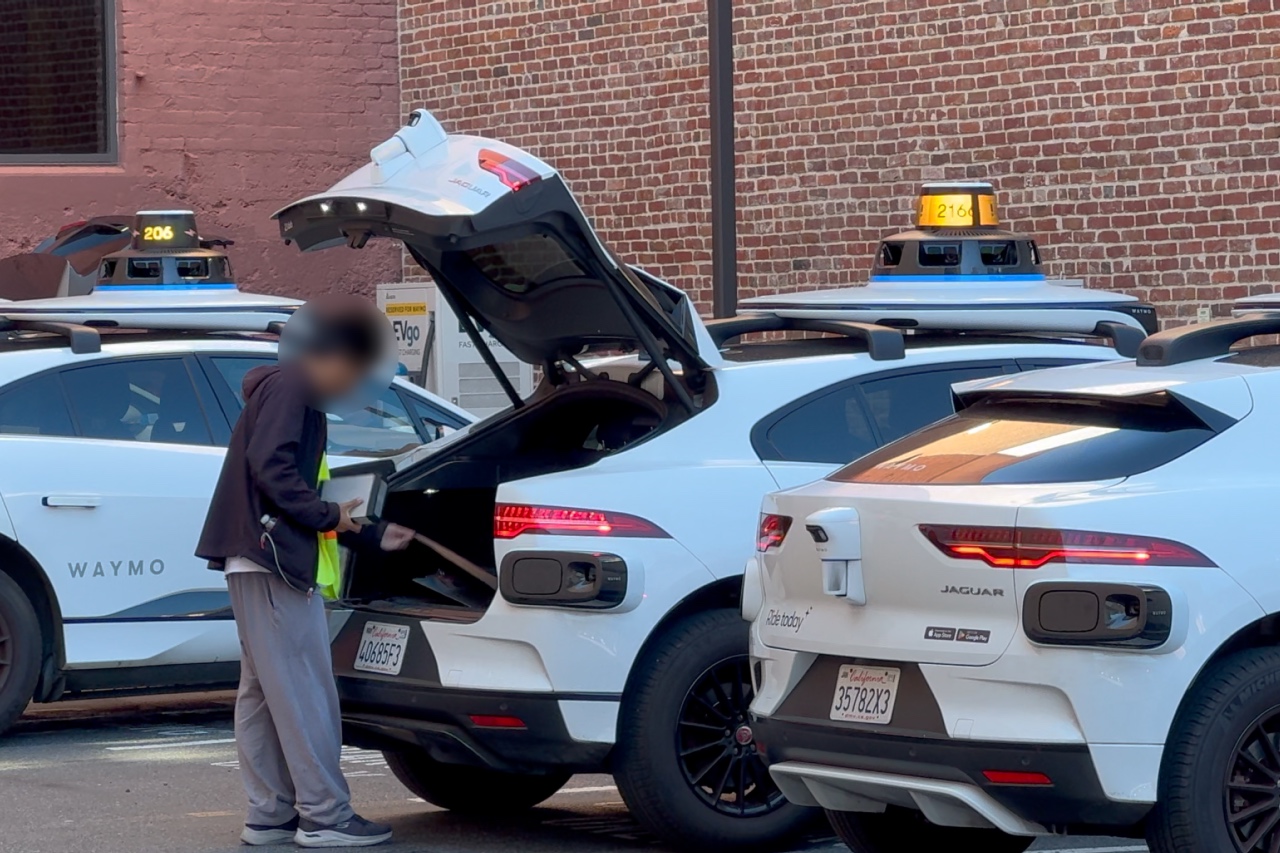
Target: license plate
[382,648]
[865,694]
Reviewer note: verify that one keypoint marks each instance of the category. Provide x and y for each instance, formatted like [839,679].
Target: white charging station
[438,354]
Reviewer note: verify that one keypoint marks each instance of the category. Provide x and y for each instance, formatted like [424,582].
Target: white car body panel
[700,482]
[123,518]
[1219,498]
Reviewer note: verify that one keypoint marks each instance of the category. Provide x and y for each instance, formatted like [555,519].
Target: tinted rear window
[522,265]
[1034,441]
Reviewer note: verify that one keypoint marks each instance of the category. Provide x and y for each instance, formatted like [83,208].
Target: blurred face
[332,375]
[344,346]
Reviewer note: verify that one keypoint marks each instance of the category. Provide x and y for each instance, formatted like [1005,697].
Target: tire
[693,679]
[1223,758]
[20,650]
[898,829]
[471,790]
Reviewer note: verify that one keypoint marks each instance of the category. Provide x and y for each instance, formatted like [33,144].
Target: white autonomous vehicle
[1054,612]
[115,409]
[579,608]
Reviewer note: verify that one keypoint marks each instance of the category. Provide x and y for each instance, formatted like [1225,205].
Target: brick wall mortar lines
[1139,140]
[234,109]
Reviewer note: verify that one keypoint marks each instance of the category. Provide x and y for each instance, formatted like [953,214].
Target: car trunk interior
[450,497]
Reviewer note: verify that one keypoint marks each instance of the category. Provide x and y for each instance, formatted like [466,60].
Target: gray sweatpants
[288,727]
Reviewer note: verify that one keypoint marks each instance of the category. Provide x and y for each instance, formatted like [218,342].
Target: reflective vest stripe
[329,563]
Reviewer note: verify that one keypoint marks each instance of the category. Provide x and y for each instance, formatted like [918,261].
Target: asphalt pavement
[160,776]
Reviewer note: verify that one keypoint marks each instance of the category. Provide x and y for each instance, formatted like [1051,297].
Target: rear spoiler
[1176,408]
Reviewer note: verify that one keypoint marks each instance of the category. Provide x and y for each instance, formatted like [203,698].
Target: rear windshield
[524,264]
[1036,441]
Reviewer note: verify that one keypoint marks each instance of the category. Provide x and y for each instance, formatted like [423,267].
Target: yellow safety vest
[329,564]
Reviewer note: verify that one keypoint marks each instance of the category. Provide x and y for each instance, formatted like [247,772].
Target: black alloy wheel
[6,650]
[20,651]
[716,746]
[686,761]
[1252,787]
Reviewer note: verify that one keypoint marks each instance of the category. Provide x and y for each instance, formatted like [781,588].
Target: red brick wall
[1138,139]
[233,108]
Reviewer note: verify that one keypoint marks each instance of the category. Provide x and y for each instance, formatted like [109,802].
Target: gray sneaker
[355,832]
[261,835]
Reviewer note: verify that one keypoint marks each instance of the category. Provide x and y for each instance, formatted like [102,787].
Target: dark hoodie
[271,469]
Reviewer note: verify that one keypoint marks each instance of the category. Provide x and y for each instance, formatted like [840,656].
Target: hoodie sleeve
[272,452]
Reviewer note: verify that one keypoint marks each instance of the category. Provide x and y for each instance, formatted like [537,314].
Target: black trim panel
[381,715]
[1074,802]
[169,678]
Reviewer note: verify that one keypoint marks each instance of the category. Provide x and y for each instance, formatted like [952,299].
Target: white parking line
[598,789]
[177,744]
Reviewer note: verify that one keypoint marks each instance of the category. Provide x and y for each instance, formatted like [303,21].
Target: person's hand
[396,537]
[345,522]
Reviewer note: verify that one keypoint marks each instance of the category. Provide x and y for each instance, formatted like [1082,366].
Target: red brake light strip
[512,520]
[1033,547]
[512,173]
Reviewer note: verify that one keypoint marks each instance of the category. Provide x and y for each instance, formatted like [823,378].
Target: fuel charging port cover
[1085,613]
[574,579]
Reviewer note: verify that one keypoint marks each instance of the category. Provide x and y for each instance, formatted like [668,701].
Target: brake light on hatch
[773,529]
[512,173]
[512,520]
[1033,547]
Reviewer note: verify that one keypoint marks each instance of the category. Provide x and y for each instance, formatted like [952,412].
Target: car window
[136,400]
[382,427]
[900,405]
[1037,441]
[855,418]
[233,369]
[833,428]
[35,407]
[430,420]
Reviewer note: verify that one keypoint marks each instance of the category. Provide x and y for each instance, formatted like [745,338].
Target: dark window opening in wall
[57,81]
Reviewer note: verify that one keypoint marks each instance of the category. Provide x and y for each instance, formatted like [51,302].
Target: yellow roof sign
[957,205]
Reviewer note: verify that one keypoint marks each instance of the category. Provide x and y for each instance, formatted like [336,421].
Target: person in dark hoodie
[275,538]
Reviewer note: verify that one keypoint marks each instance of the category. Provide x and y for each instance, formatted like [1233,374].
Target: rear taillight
[513,173]
[773,529]
[1033,547]
[511,520]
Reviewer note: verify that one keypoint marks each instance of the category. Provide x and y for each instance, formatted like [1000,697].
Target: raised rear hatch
[508,245]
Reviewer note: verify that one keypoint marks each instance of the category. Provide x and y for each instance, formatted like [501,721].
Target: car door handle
[71,501]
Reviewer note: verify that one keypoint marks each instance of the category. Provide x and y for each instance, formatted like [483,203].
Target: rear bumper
[379,715]
[848,770]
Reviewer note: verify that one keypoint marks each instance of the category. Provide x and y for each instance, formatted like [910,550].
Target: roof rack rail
[82,339]
[883,343]
[1126,339]
[1204,340]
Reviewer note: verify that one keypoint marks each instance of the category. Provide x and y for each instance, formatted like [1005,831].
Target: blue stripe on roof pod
[225,286]
[955,277]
